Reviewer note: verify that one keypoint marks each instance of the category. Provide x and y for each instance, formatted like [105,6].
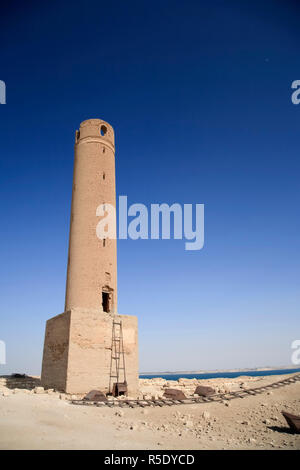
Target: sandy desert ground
[47,420]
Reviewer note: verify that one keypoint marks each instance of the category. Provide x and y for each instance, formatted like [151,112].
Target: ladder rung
[117,352]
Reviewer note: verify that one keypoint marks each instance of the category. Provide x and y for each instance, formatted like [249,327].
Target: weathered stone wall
[56,348]
[86,364]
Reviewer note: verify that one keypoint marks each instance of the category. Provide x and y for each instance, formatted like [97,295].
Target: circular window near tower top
[103,130]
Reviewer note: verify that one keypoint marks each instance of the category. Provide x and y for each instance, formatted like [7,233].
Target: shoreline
[215,373]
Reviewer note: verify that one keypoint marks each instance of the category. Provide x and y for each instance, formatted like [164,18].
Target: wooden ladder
[117,361]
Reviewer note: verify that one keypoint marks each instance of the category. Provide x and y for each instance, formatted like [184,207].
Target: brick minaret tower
[77,349]
[92,263]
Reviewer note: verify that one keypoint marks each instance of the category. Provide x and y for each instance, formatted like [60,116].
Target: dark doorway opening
[105,301]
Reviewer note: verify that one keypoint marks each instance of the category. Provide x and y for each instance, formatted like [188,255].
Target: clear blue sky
[199,95]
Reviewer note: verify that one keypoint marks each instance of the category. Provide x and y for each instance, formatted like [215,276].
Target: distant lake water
[225,375]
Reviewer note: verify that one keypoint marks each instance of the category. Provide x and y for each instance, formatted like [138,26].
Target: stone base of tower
[77,351]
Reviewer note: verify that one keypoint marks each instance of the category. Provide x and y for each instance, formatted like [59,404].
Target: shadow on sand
[21,381]
[282,429]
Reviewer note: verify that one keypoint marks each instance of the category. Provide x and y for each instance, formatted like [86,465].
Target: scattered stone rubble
[155,388]
[149,389]
[250,423]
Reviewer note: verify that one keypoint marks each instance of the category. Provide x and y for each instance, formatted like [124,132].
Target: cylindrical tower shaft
[92,262]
